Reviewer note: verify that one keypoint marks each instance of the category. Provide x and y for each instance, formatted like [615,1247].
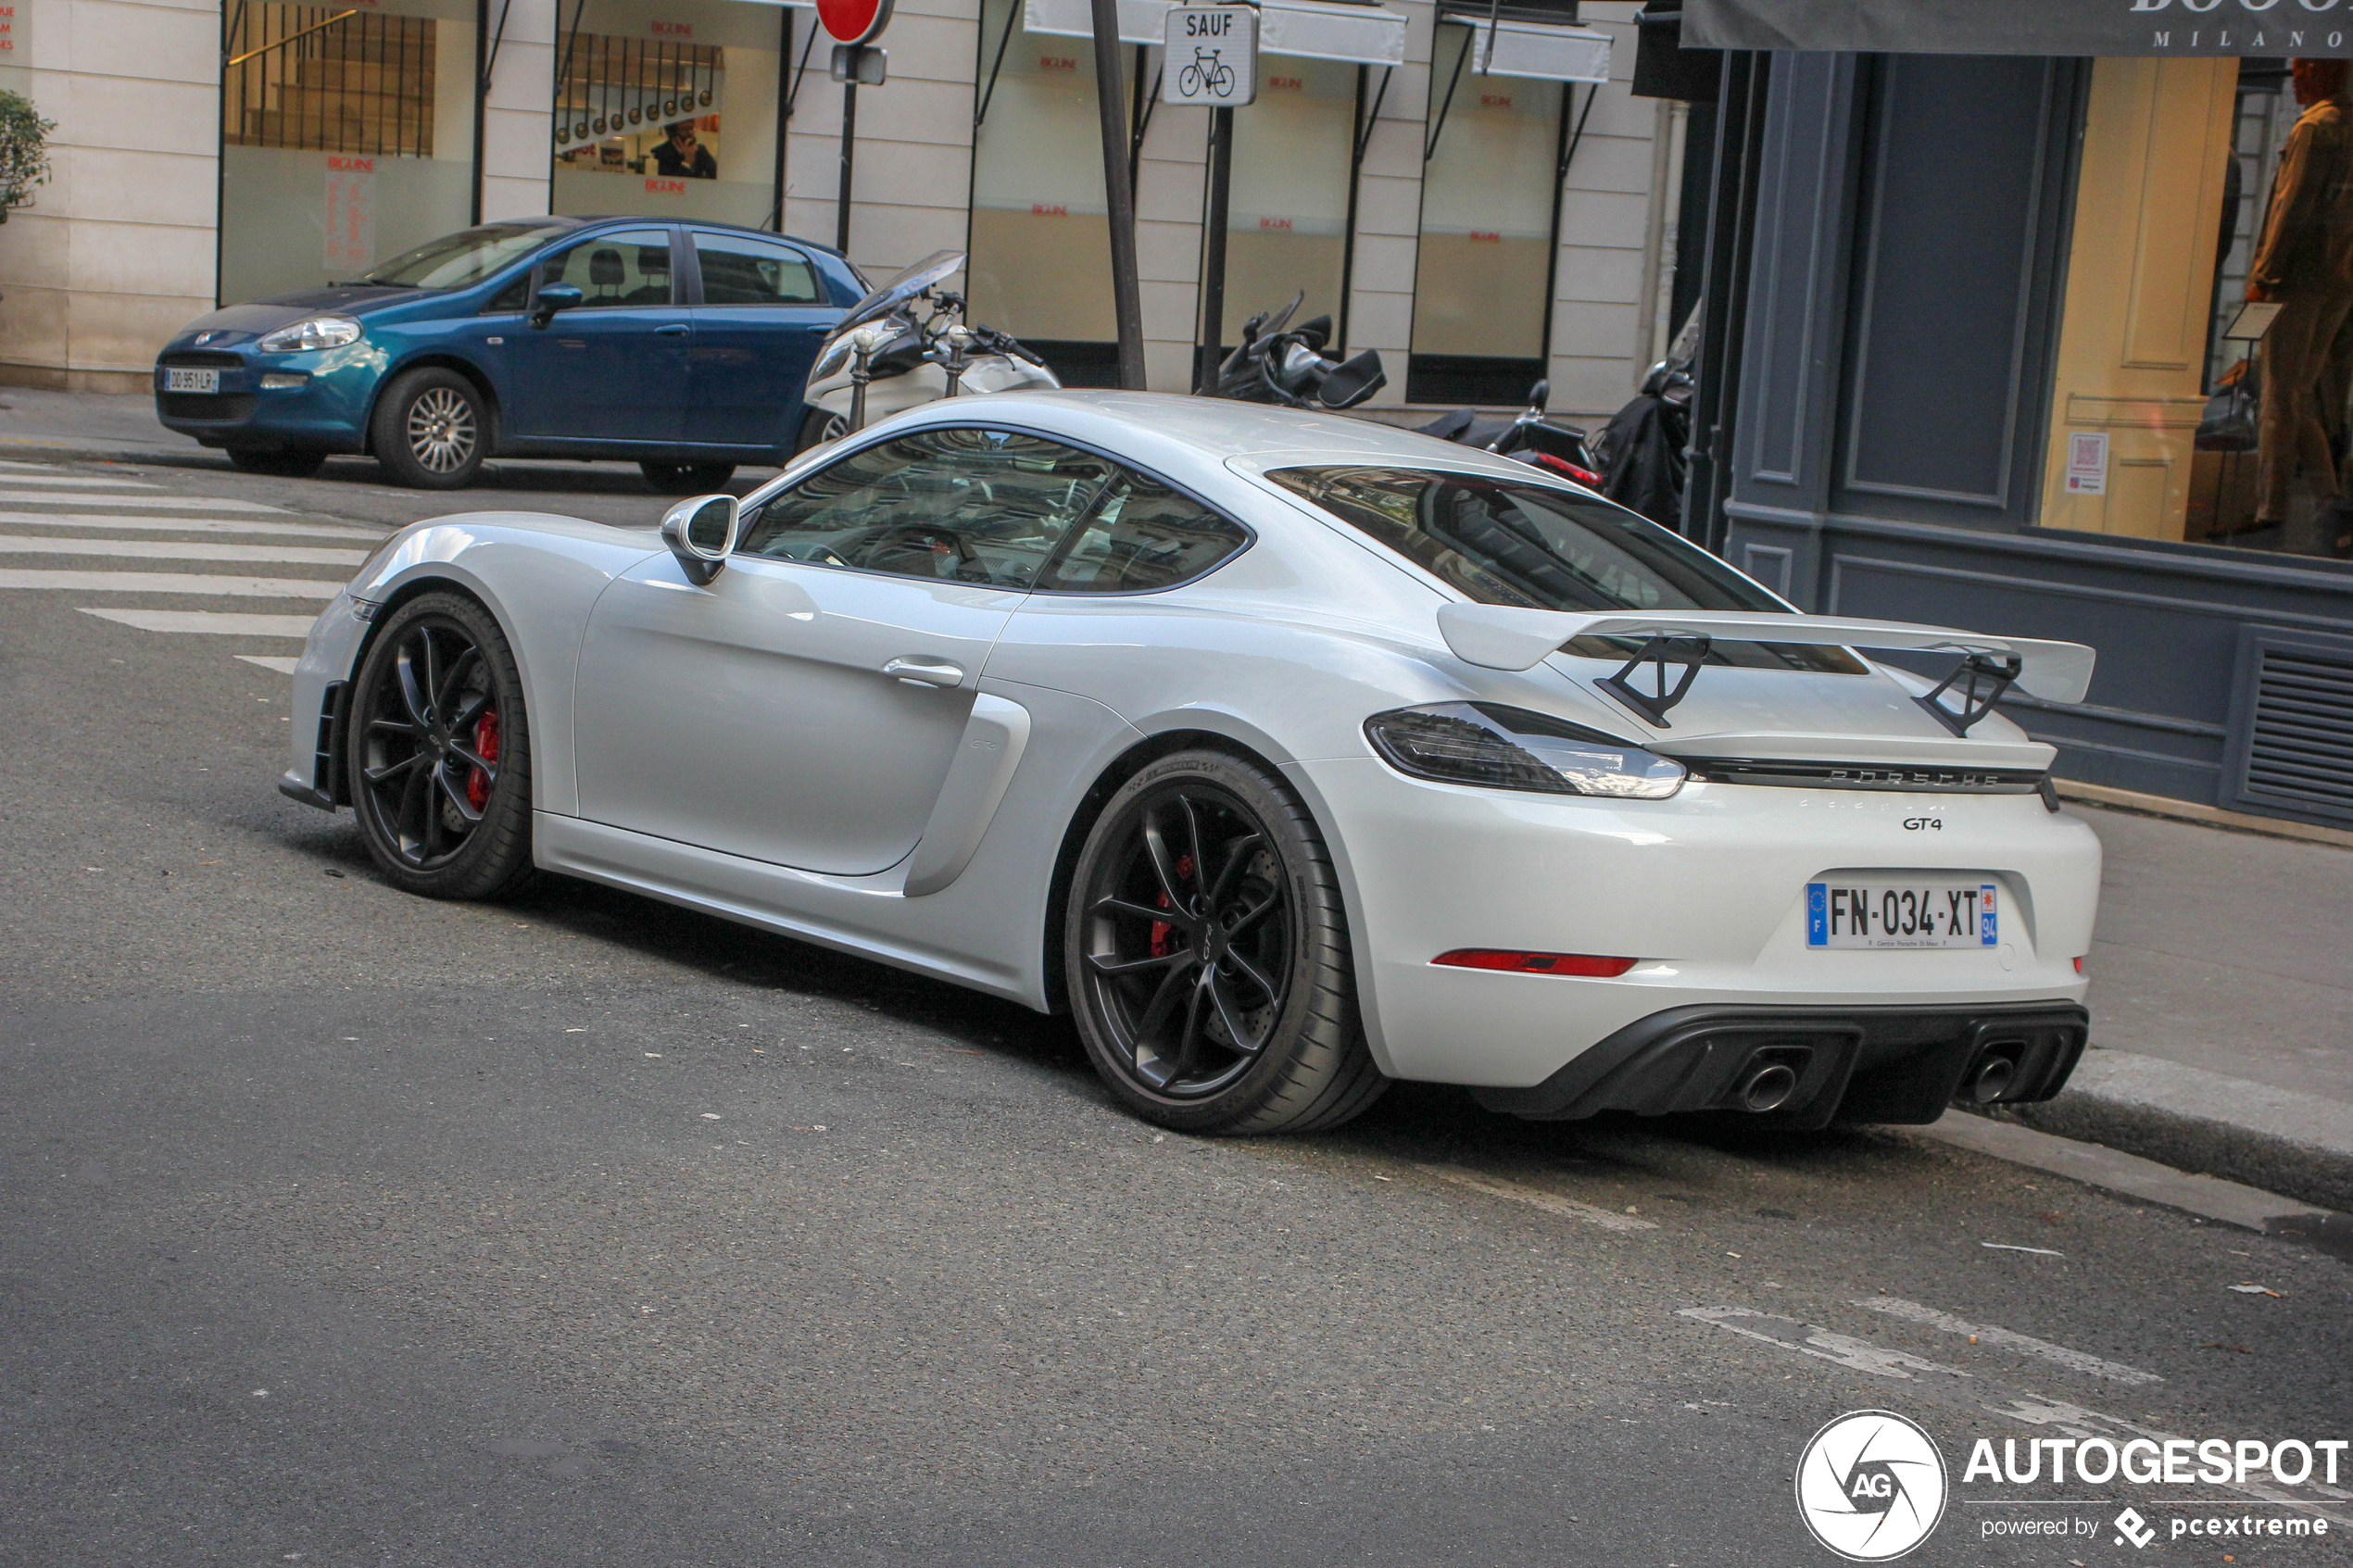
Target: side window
[1142,536]
[515,297]
[966,505]
[740,270]
[614,271]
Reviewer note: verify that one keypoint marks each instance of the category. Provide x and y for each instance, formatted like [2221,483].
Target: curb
[2296,1145]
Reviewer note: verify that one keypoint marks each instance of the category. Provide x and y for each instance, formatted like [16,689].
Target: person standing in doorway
[2305,263]
[683,157]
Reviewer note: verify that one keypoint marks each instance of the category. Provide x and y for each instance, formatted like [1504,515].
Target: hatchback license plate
[191,381]
[1904,916]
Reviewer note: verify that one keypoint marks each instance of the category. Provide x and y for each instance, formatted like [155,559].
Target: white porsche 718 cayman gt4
[1290,753]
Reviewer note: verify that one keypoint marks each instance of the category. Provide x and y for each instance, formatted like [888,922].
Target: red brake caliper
[1162,930]
[485,748]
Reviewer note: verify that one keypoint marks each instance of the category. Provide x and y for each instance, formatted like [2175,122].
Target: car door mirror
[555,298]
[701,533]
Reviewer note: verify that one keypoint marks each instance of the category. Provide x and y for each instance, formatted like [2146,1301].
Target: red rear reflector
[2079,966]
[1535,963]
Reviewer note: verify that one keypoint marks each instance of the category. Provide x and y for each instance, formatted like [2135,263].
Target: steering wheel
[918,537]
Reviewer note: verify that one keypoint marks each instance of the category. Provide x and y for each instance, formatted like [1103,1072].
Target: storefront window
[2206,359]
[347,136]
[668,107]
[1286,218]
[1040,228]
[1485,259]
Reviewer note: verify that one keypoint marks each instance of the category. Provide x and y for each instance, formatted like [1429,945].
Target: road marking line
[228,623]
[191,524]
[283,663]
[1954,1389]
[1591,1213]
[179,549]
[171,503]
[81,479]
[171,583]
[1990,1333]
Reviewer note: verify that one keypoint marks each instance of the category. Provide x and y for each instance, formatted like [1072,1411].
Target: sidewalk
[2222,970]
[2221,1007]
[97,425]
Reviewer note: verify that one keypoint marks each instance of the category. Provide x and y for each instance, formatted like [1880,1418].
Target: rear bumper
[1851,1064]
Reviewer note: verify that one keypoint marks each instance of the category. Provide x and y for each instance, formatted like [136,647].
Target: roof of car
[695,222]
[1219,428]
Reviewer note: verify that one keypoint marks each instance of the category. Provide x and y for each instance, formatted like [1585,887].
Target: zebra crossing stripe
[81,478]
[224,622]
[167,502]
[283,663]
[180,549]
[192,525]
[172,582]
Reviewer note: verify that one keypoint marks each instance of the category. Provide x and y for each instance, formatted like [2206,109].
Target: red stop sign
[854,21]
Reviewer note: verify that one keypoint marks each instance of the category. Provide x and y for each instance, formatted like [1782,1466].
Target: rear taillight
[1561,466]
[1587,964]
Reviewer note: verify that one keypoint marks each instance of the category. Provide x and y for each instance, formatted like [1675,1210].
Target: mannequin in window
[2305,262]
[682,158]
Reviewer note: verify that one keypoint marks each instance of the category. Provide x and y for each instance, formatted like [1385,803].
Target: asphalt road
[345,1228]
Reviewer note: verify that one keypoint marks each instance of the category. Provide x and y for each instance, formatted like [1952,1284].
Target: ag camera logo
[1871,1486]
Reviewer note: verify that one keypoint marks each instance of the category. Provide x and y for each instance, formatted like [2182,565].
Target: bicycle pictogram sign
[1219,47]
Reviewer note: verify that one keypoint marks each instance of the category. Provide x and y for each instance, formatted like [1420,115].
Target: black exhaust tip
[1766,1086]
[1992,1079]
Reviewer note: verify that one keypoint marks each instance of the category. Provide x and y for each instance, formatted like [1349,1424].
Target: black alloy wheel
[284,464]
[439,752]
[432,428]
[688,479]
[1207,956]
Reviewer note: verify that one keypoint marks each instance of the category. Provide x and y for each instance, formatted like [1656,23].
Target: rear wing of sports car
[1512,637]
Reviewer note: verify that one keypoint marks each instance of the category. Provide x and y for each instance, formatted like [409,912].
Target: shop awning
[2024,27]
[1545,51]
[1319,29]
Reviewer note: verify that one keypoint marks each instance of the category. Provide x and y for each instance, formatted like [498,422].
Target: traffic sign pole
[1213,64]
[1111,103]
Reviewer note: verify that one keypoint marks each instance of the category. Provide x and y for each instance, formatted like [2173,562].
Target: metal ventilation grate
[2298,747]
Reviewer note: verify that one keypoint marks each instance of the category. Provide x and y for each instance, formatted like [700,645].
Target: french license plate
[1903,915]
[191,381]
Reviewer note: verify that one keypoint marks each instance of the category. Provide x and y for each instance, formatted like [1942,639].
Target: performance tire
[1207,956]
[439,752]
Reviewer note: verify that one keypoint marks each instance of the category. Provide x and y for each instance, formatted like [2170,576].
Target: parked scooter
[1529,436]
[907,344]
[1286,365]
[1640,452]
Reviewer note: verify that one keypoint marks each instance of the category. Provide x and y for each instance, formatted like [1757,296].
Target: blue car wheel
[432,428]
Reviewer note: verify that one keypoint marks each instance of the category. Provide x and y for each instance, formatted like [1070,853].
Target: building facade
[1481,222]
[1986,344]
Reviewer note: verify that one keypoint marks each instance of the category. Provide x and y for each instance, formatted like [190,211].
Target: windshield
[1500,542]
[467,257]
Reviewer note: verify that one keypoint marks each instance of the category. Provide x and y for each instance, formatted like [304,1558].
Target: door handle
[675,328]
[926,671]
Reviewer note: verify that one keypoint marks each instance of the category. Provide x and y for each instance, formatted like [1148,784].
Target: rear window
[1500,542]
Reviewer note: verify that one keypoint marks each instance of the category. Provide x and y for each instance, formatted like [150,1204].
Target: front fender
[539,577]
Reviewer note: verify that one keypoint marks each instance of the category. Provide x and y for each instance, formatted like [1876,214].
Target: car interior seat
[653,266]
[605,275]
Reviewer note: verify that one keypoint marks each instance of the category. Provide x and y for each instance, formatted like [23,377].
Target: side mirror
[555,298]
[701,533]
[1538,395]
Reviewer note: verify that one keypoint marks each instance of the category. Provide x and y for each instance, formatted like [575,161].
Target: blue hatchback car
[685,346]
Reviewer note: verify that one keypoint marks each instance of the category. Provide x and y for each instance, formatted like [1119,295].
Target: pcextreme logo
[1870,1485]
